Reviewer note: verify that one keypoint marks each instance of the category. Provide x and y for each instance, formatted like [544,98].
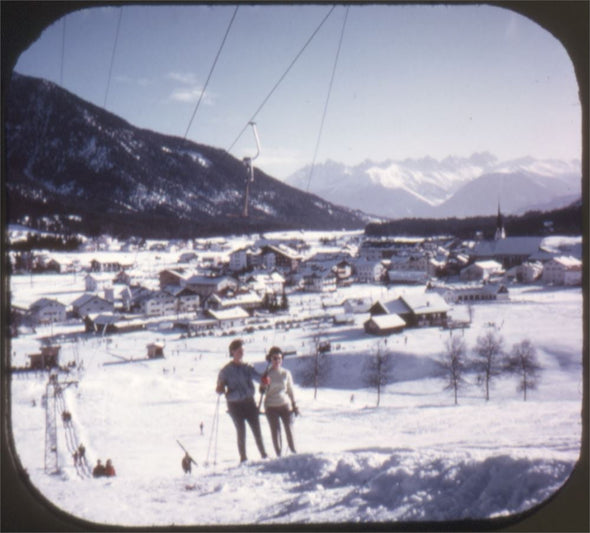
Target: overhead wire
[211,70]
[327,99]
[63,52]
[281,78]
[113,57]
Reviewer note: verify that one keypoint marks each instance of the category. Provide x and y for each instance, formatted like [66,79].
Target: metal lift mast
[250,169]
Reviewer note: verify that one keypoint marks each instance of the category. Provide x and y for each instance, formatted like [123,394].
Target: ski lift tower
[52,392]
[250,169]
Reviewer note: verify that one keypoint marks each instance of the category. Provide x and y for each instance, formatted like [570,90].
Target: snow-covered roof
[388,321]
[426,303]
[228,314]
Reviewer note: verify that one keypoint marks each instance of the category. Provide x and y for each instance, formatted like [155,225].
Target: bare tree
[318,366]
[489,354]
[378,369]
[523,362]
[453,364]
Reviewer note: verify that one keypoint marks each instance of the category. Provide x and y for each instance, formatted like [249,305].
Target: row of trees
[488,361]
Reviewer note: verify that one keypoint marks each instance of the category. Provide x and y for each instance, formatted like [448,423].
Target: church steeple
[500,232]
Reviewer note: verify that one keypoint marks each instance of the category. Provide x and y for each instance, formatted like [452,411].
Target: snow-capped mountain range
[451,187]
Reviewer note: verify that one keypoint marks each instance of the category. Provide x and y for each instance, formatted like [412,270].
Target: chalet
[343,271]
[239,259]
[157,303]
[384,324]
[48,358]
[186,299]
[88,304]
[417,310]
[46,311]
[188,257]
[407,276]
[281,257]
[319,280]
[563,270]
[248,300]
[171,277]
[368,271]
[481,270]
[265,283]
[205,286]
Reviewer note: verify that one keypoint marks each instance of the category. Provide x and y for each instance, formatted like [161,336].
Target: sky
[374,82]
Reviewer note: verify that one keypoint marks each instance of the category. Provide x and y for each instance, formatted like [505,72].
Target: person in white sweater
[279,402]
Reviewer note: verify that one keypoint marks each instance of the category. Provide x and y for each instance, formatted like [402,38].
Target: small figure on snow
[99,469]
[276,402]
[201,427]
[235,381]
[186,463]
[109,469]
[81,452]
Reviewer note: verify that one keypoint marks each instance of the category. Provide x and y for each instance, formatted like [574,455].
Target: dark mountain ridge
[96,173]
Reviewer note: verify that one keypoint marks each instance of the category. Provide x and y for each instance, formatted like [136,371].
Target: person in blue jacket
[235,380]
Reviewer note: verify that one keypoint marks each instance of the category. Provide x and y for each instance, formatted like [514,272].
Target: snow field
[415,457]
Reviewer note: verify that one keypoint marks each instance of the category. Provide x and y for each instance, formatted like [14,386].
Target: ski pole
[262,391]
[214,425]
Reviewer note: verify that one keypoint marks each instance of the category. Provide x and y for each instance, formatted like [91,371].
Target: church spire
[500,232]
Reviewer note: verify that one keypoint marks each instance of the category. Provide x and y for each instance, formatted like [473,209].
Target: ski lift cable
[317,145]
[113,57]
[281,78]
[63,52]
[211,70]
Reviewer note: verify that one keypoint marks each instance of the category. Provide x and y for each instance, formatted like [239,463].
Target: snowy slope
[416,457]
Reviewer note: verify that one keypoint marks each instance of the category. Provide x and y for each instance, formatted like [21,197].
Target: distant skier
[187,461]
[279,402]
[201,427]
[235,381]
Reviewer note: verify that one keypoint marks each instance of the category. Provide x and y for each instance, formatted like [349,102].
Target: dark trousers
[242,412]
[275,415]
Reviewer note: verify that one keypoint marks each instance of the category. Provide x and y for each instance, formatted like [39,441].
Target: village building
[248,300]
[264,283]
[470,292]
[529,271]
[481,270]
[107,266]
[280,257]
[229,318]
[205,286]
[46,359]
[384,324]
[111,323]
[157,303]
[46,311]
[417,310]
[509,251]
[155,350]
[563,270]
[89,304]
[357,305]
[175,277]
[186,300]
[90,283]
[368,271]
[319,280]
